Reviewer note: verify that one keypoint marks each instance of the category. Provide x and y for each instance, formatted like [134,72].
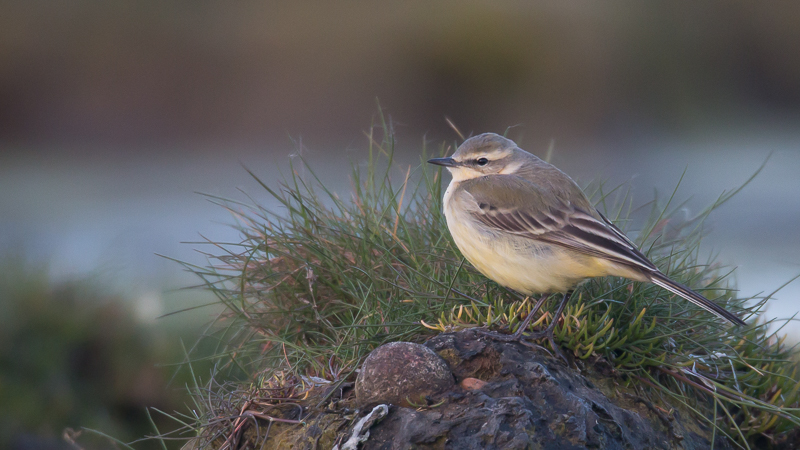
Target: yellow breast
[522,264]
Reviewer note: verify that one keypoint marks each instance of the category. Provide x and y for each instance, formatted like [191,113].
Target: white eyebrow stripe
[499,153]
[511,168]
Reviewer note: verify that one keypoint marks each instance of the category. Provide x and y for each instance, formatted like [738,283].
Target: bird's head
[485,154]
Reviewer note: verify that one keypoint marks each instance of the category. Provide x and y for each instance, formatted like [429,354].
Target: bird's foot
[519,335]
[546,333]
[515,337]
[529,339]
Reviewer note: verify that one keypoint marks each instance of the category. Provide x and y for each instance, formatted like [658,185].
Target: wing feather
[574,225]
[561,223]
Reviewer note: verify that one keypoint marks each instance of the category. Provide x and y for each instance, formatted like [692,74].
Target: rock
[508,396]
[528,400]
[402,373]
[472,384]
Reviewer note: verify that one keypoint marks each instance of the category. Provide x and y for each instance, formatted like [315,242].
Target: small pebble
[472,384]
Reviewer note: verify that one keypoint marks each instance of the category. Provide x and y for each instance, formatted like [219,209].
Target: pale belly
[519,263]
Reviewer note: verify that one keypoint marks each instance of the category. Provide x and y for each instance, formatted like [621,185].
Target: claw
[536,346]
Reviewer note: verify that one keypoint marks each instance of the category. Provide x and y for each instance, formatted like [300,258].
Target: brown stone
[472,384]
[402,373]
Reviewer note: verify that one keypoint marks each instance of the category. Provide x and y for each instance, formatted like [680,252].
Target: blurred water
[108,215]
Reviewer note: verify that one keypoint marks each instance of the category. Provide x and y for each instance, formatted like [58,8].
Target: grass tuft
[314,286]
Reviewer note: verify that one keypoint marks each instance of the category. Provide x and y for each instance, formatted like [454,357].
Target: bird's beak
[447,162]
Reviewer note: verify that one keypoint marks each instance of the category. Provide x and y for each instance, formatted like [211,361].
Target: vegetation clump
[314,286]
[72,357]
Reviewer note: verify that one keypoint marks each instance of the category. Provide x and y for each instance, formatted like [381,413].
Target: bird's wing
[514,205]
[614,228]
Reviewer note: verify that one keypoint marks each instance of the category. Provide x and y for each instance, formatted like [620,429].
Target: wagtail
[529,227]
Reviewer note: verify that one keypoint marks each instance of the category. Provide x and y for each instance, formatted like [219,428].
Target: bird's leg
[548,332]
[522,327]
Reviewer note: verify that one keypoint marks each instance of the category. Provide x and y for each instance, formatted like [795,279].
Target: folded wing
[547,218]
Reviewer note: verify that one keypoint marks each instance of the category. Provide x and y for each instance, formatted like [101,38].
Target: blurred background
[114,114]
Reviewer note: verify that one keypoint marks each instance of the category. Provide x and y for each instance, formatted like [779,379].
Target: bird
[529,227]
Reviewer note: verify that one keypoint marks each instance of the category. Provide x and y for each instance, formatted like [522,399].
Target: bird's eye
[482,161]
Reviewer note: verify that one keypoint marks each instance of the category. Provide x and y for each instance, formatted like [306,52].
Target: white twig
[377,413]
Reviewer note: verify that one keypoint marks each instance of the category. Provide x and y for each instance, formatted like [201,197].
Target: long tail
[660,279]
